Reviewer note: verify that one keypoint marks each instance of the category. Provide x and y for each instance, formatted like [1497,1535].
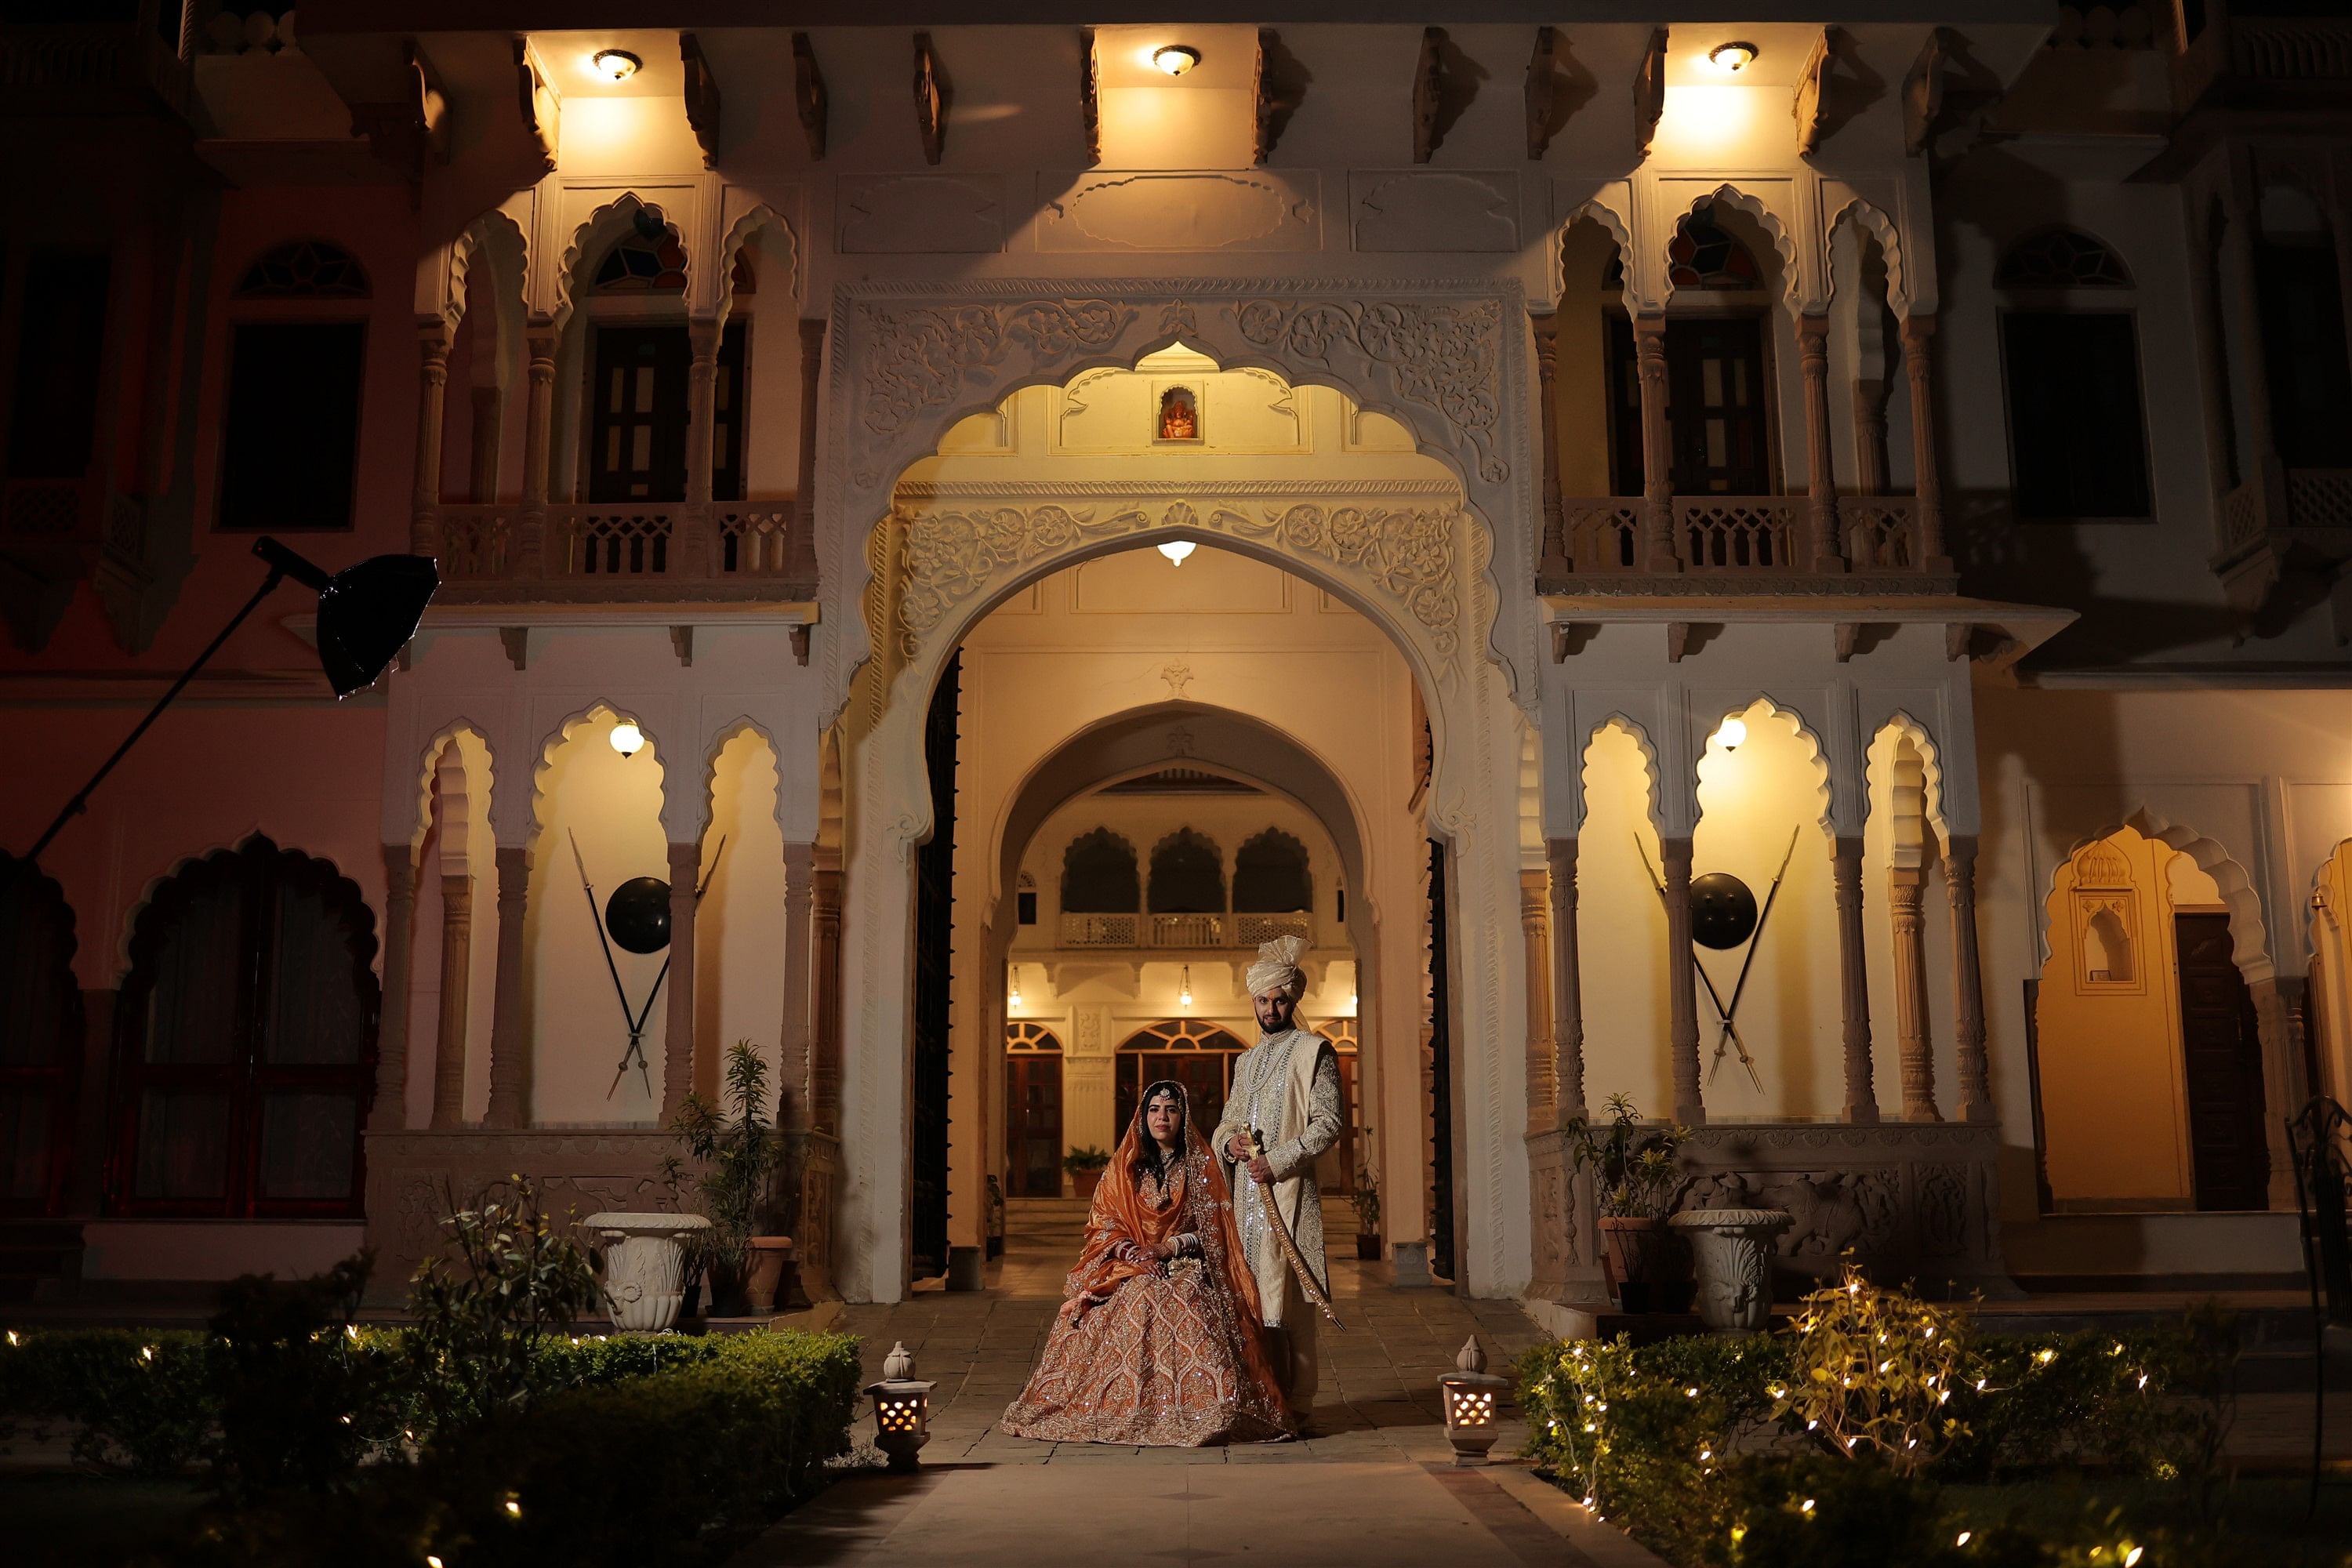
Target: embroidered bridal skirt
[1161,1363]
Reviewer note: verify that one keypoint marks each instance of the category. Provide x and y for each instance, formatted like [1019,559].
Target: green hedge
[141,1401]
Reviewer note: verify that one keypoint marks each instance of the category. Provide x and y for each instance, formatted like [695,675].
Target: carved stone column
[825,958]
[1657,446]
[432,392]
[538,432]
[1567,981]
[1820,465]
[1681,982]
[390,1111]
[1853,980]
[509,1040]
[1903,894]
[1870,437]
[1927,476]
[682,1071]
[793,1075]
[802,555]
[699,547]
[490,416]
[456,994]
[1535,930]
[1967,980]
[1554,563]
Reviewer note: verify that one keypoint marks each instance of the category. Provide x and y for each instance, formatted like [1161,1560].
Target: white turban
[1277,968]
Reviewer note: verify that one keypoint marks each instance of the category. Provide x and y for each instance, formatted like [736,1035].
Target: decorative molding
[930,100]
[808,95]
[1406,554]
[701,98]
[920,214]
[1181,210]
[1219,489]
[1433,211]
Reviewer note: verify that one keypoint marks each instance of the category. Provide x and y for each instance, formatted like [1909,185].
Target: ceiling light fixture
[1732,58]
[615,65]
[1176,549]
[1175,58]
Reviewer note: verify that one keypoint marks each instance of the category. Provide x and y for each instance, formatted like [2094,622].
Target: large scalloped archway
[1447,360]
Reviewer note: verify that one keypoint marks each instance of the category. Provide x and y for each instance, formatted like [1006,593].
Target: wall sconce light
[1184,988]
[1732,58]
[627,739]
[1176,549]
[902,1409]
[1175,58]
[1013,986]
[1732,735]
[614,65]
[1472,1396]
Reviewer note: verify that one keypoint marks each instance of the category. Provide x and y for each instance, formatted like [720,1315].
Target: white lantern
[902,1408]
[1474,1398]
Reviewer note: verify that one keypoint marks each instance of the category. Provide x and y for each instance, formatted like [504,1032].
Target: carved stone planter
[1733,1249]
[644,1267]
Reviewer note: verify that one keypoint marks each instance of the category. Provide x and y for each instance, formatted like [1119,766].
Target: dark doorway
[1032,1123]
[1715,407]
[40,1045]
[2223,1069]
[1198,1055]
[927,1195]
[1441,1076]
[2304,348]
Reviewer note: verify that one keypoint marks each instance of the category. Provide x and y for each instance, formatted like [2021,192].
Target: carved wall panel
[1422,211]
[1263,209]
[934,214]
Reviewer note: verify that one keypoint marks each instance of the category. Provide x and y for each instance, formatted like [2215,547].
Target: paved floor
[1375,1484]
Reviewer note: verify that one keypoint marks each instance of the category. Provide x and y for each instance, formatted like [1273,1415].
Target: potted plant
[734,1153]
[1366,1201]
[1086,1167]
[1633,1174]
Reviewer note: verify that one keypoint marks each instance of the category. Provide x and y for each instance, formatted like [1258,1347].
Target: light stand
[367,613]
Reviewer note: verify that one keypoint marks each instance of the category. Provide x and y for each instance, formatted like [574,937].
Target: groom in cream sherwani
[1286,1087]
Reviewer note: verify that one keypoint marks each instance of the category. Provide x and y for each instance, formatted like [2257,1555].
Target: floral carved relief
[1442,356]
[1406,553]
[918,357]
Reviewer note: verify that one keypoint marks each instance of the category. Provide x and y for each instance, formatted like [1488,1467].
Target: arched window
[1098,875]
[1704,254]
[40,1038]
[2070,358]
[290,418]
[1270,875]
[1194,1053]
[647,259]
[1188,875]
[1717,442]
[246,1041]
[638,418]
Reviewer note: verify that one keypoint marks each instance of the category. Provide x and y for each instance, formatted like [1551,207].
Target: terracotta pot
[766,1273]
[1085,1181]
[1368,1248]
[1646,1268]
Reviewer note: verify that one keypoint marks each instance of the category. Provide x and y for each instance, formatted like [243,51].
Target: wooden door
[1714,404]
[1032,1124]
[1204,1076]
[2223,1060]
[636,445]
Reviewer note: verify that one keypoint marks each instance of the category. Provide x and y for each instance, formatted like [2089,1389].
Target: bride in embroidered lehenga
[1159,1342]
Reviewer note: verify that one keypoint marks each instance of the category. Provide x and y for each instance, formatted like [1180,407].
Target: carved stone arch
[2250,938]
[1653,806]
[604,228]
[1612,223]
[761,219]
[1866,218]
[1784,243]
[553,740]
[139,902]
[495,242]
[1931,768]
[721,738]
[429,759]
[1819,762]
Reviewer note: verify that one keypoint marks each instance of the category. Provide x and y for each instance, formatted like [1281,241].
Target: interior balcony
[1719,543]
[624,553]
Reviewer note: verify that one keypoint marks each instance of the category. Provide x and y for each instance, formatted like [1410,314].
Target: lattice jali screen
[752,544]
[1251,929]
[2242,516]
[40,509]
[2319,498]
[599,542]
[1879,530]
[1604,534]
[1747,534]
[475,543]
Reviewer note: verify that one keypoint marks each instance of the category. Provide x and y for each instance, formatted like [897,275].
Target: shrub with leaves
[1873,1373]
[1633,1164]
[141,1401]
[512,1280]
[302,1394]
[735,1151]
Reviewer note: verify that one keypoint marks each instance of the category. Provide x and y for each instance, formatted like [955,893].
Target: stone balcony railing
[1190,932]
[1733,538]
[623,551]
[47,67]
[2240,51]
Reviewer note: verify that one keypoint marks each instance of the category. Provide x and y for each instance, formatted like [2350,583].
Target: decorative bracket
[516,640]
[681,640]
[808,94]
[1678,640]
[1650,91]
[1279,86]
[1958,639]
[1427,74]
[402,132]
[800,639]
[1922,93]
[701,98]
[930,100]
[1090,94]
[1812,81]
[1542,90]
[541,108]
[1847,633]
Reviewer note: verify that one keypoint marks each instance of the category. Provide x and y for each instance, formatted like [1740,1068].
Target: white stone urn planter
[644,1267]
[1732,1251]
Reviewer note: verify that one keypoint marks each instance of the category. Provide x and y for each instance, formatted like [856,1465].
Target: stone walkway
[1374,1484]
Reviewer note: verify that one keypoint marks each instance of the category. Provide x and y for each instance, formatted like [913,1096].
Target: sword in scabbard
[1309,1285]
